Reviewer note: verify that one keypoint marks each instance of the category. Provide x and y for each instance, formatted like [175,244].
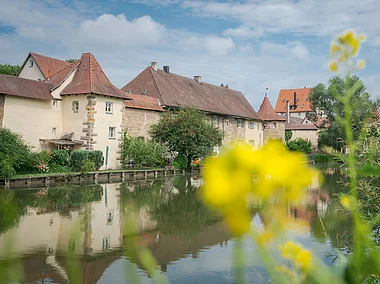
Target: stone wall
[2,101]
[137,122]
[274,130]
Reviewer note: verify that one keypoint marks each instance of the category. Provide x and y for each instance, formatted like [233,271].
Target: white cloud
[293,49]
[322,17]
[244,32]
[117,30]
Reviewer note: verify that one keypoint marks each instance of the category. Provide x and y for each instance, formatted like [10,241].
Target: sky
[250,45]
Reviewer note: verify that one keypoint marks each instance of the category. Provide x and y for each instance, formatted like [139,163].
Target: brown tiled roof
[266,111]
[15,86]
[57,79]
[143,102]
[288,95]
[178,91]
[305,126]
[90,78]
[48,65]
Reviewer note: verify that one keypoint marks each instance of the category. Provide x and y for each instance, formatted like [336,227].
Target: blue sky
[249,45]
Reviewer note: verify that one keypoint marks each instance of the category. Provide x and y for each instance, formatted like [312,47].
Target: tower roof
[90,78]
[267,112]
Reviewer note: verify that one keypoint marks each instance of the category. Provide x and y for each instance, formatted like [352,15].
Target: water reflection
[190,243]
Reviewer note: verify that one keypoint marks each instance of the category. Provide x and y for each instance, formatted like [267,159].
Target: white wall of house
[31,72]
[311,135]
[254,132]
[56,92]
[103,121]
[34,119]
[73,121]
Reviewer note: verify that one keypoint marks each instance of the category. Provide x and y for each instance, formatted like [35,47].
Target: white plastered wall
[33,73]
[34,119]
[254,135]
[73,122]
[103,121]
[311,135]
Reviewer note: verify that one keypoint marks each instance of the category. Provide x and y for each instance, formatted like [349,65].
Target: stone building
[274,127]
[140,114]
[75,108]
[302,128]
[228,109]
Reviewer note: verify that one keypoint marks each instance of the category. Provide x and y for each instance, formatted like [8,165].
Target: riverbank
[90,177]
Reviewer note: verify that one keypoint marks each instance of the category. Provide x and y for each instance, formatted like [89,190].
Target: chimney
[295,100]
[166,69]
[154,66]
[287,113]
[198,79]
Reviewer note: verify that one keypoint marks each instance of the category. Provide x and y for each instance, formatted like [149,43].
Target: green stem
[239,261]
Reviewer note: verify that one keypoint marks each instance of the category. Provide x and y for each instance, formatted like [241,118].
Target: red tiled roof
[15,86]
[48,65]
[178,91]
[90,78]
[288,95]
[143,102]
[57,79]
[266,111]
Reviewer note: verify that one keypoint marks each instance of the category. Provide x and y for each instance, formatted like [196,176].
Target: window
[258,127]
[283,100]
[240,122]
[302,105]
[54,103]
[109,107]
[75,107]
[143,92]
[129,91]
[251,124]
[274,125]
[299,114]
[226,122]
[112,132]
[215,120]
[31,63]
[252,143]
[53,131]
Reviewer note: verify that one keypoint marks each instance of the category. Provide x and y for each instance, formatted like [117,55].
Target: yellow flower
[333,66]
[343,48]
[240,173]
[361,64]
[346,201]
[300,257]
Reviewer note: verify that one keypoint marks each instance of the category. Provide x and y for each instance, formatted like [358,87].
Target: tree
[325,104]
[71,60]
[11,70]
[187,132]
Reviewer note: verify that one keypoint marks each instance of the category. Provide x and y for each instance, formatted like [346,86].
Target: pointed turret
[267,112]
[90,78]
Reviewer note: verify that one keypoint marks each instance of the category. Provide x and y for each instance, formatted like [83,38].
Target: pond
[41,228]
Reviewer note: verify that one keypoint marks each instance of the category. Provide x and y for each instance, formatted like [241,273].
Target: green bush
[142,153]
[88,166]
[300,145]
[78,160]
[59,158]
[180,162]
[15,154]
[323,158]
[96,157]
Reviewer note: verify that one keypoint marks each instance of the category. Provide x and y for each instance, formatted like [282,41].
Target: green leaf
[369,170]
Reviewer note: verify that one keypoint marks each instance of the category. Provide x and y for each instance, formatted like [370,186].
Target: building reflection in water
[170,219]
